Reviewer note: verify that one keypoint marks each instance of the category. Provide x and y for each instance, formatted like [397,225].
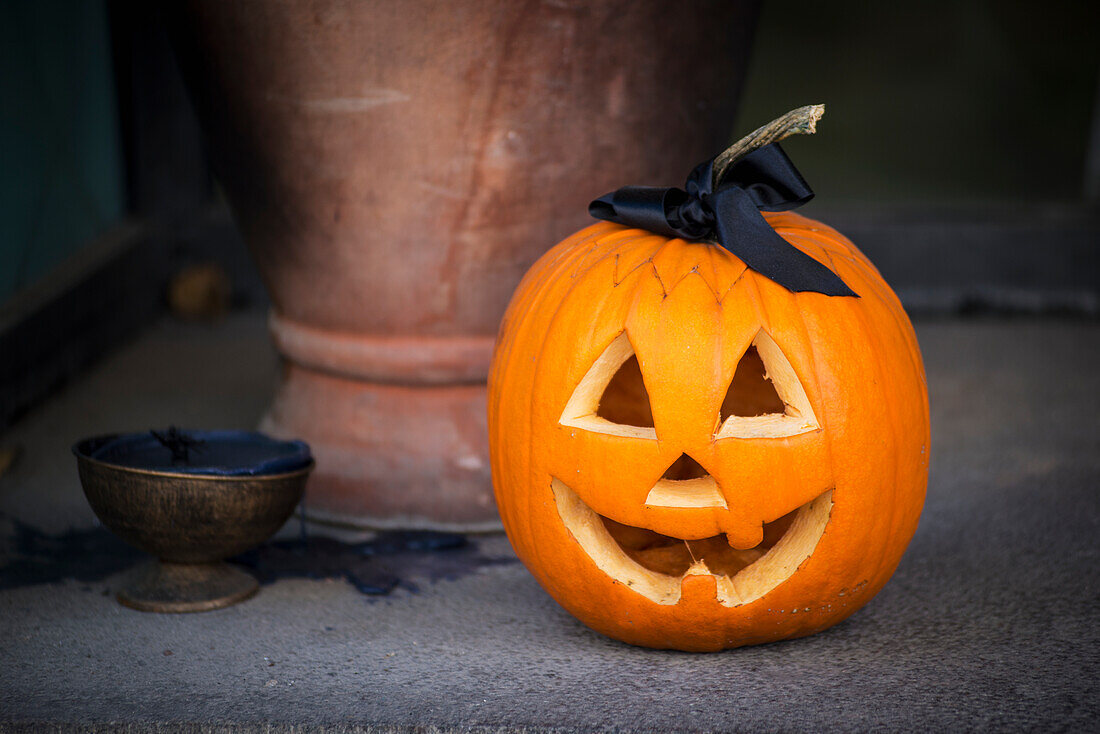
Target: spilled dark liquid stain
[376,567]
[390,560]
[91,555]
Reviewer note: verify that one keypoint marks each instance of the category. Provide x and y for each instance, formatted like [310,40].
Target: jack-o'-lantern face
[688,455]
[712,515]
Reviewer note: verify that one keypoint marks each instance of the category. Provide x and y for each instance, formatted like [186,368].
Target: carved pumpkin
[687,455]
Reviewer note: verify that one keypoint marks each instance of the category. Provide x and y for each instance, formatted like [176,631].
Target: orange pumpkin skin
[690,311]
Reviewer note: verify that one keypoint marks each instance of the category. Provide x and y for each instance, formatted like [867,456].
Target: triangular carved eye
[612,398]
[751,393]
[765,399]
[625,400]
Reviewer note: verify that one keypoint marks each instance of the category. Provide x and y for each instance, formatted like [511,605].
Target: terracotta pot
[395,167]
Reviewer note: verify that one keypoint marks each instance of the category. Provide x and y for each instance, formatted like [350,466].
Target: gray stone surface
[990,623]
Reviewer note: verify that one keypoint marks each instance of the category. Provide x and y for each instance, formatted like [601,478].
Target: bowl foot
[160,586]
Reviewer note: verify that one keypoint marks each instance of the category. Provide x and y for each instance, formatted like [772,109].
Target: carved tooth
[699,568]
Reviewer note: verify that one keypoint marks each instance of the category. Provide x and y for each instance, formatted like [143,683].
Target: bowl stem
[163,586]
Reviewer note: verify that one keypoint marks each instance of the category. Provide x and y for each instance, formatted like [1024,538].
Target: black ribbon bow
[729,211]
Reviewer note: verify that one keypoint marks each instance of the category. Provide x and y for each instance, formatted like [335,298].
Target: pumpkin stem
[802,121]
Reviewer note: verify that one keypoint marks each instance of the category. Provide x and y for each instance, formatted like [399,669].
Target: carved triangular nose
[685,484]
[685,467]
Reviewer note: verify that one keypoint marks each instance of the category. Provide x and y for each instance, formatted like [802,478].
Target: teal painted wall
[61,168]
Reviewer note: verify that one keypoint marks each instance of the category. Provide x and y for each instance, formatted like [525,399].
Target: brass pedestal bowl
[190,522]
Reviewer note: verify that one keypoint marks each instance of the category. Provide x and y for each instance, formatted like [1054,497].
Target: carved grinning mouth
[654,565]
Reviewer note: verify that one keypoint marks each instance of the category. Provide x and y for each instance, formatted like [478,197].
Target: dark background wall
[972,101]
